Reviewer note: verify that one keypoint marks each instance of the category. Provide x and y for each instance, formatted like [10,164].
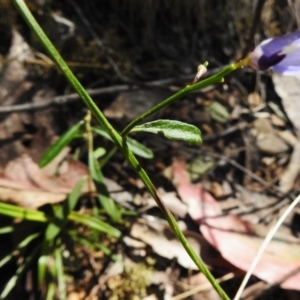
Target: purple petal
[266,62]
[287,70]
[275,45]
[290,65]
[275,51]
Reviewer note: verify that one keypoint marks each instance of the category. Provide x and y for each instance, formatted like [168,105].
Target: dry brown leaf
[129,105]
[290,175]
[238,241]
[25,184]
[288,88]
[171,201]
[164,242]
[158,235]
[267,139]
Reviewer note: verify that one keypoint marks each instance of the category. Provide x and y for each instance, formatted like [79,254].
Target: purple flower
[282,54]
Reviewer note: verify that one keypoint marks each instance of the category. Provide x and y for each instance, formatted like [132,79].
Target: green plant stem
[61,64]
[119,140]
[173,224]
[219,77]
[88,131]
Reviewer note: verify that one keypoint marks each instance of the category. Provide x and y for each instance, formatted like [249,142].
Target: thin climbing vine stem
[120,140]
[219,77]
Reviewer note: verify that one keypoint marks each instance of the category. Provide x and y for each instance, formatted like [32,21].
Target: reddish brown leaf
[238,241]
[25,184]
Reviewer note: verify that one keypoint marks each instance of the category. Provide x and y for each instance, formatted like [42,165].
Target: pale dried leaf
[129,105]
[288,89]
[238,241]
[289,176]
[164,243]
[176,206]
[267,139]
[25,184]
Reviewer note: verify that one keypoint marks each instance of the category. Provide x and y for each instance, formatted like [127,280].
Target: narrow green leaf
[6,229]
[136,147]
[72,199]
[94,223]
[139,149]
[92,244]
[62,142]
[51,289]
[99,152]
[218,112]
[105,200]
[20,246]
[13,280]
[53,229]
[174,130]
[51,284]
[62,212]
[22,213]
[42,265]
[58,260]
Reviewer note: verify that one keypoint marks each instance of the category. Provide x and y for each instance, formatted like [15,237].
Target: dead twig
[61,100]
[40,104]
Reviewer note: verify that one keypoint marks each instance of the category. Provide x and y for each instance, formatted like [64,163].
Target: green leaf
[43,262]
[218,112]
[20,246]
[94,223]
[139,149]
[51,289]
[62,142]
[99,152]
[13,280]
[22,213]
[58,259]
[105,200]
[136,147]
[72,199]
[63,210]
[199,166]
[92,244]
[6,229]
[174,130]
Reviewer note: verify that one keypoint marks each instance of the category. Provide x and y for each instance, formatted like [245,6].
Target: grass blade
[62,212]
[136,147]
[13,280]
[94,223]
[58,261]
[62,142]
[22,213]
[7,229]
[105,200]
[19,247]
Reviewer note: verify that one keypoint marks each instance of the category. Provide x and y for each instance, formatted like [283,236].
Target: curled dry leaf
[267,139]
[292,171]
[288,88]
[25,184]
[163,241]
[238,241]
